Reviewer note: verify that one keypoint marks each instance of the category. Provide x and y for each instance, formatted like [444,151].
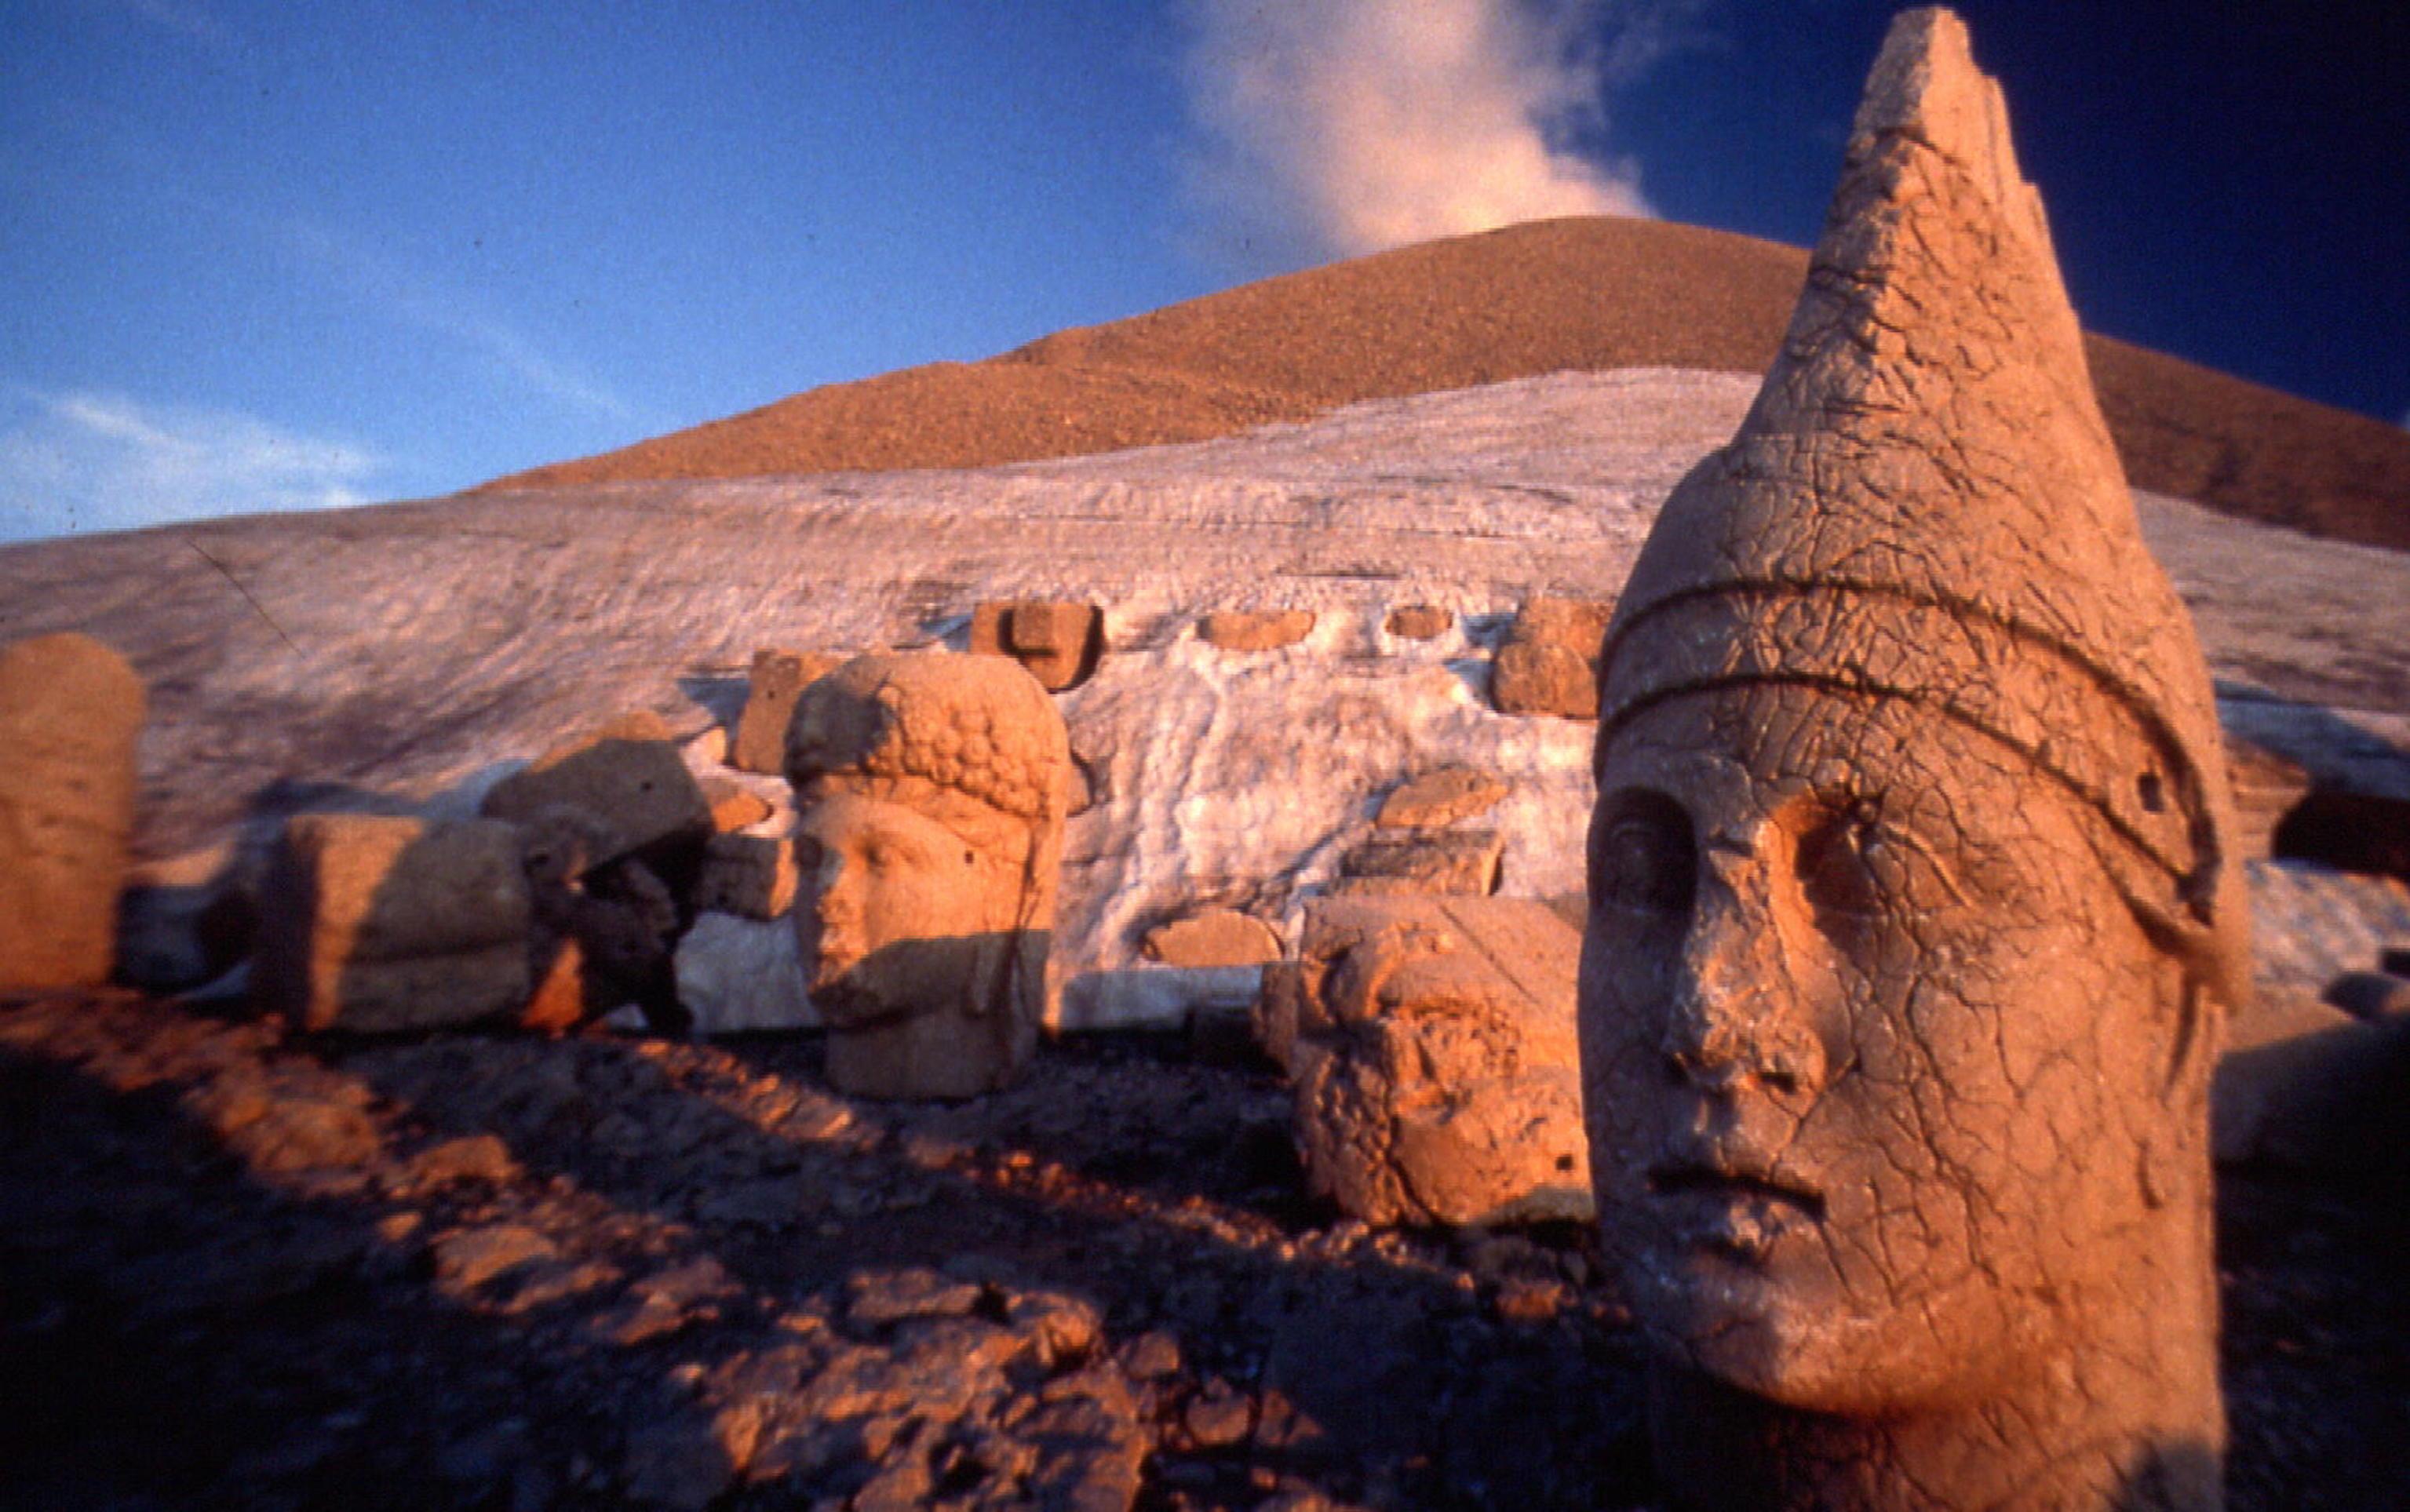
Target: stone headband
[2039,696]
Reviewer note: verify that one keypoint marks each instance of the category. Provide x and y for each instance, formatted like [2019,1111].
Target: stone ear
[2169,1151]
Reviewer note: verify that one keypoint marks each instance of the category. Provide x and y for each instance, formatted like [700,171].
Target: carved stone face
[1872,1050]
[892,910]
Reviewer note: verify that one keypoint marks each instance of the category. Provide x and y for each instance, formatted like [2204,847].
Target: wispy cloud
[1344,126]
[402,293]
[78,462]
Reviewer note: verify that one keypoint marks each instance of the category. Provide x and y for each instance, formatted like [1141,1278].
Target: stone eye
[1642,860]
[1845,865]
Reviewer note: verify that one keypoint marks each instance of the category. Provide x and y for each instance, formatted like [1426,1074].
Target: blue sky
[264,255]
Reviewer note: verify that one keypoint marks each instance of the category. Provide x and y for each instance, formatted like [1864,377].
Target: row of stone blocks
[1548,664]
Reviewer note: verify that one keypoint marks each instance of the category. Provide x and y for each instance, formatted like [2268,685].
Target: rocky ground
[241,1268]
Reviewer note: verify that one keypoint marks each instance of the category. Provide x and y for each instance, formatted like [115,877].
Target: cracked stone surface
[1915,913]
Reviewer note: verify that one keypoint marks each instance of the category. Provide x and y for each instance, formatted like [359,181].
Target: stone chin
[1784,1332]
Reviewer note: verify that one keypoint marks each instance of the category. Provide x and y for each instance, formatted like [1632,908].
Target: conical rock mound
[1924,501]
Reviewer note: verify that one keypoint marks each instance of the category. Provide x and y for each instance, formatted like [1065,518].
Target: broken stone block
[1459,862]
[733,806]
[627,773]
[372,923]
[1264,630]
[1430,1044]
[1056,640]
[71,710]
[1419,621]
[1440,798]
[1549,663]
[738,975]
[750,875]
[777,676]
[2266,788]
[1216,937]
[604,922]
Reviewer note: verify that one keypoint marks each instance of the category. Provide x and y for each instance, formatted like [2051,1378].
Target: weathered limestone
[750,875]
[1457,863]
[372,923]
[603,923]
[71,711]
[1440,798]
[1057,641]
[2266,788]
[1549,663]
[738,975]
[778,677]
[1913,909]
[1213,937]
[627,773]
[733,806]
[1430,1042]
[1255,629]
[1419,621]
[930,791]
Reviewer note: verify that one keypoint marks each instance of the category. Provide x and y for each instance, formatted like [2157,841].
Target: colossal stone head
[1912,921]
[930,795]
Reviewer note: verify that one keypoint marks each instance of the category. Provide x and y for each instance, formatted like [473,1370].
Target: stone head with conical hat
[1913,920]
[930,795]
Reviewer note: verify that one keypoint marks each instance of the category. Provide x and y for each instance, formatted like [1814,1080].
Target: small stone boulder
[2266,787]
[71,710]
[1430,1043]
[1255,629]
[1058,641]
[373,923]
[1419,621]
[1215,936]
[1549,663]
[628,773]
[1440,798]
[1455,862]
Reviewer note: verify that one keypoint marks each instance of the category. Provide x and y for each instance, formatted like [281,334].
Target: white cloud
[85,461]
[1344,126]
[389,286]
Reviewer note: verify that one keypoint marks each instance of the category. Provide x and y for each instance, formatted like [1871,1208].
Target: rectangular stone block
[778,677]
[1457,863]
[372,923]
[628,773]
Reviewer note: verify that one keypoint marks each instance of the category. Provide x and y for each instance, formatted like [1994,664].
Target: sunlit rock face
[930,791]
[71,710]
[1913,917]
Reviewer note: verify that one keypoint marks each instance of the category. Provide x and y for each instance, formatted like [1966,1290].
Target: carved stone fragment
[1419,621]
[70,713]
[1457,863]
[627,773]
[1438,798]
[1056,640]
[1255,629]
[930,792]
[1431,1042]
[778,675]
[1549,663]
[372,923]
[1915,912]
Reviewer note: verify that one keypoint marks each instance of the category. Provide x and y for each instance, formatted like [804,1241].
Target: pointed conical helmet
[1923,503]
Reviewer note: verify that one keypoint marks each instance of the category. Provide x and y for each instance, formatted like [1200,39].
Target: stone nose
[1740,1013]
